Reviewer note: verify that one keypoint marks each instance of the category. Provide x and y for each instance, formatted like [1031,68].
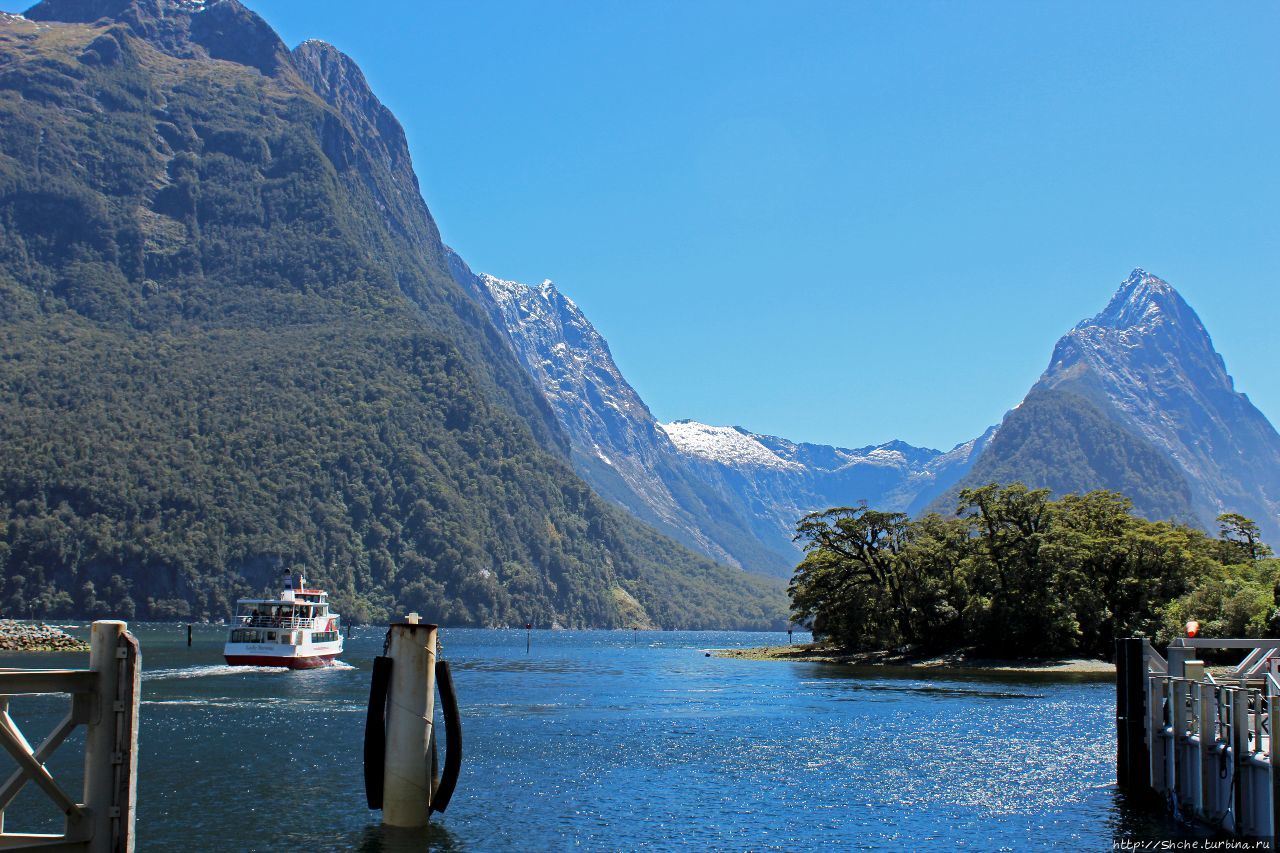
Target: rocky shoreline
[16,636]
[963,660]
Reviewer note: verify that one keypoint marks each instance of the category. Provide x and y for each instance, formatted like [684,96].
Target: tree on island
[1243,535]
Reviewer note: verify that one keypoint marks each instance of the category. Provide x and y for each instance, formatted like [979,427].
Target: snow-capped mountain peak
[1140,303]
[1148,365]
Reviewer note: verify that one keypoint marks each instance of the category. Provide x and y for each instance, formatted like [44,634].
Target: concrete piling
[406,796]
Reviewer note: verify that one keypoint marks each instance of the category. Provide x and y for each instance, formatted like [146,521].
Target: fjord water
[611,741]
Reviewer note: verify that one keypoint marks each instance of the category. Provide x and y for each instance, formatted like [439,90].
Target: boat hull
[307,662]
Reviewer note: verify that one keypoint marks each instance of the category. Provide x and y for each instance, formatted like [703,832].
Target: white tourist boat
[296,630]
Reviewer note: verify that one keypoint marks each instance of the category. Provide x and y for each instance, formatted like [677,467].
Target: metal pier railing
[1201,745]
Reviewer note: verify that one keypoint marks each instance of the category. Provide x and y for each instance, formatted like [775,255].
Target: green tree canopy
[1017,573]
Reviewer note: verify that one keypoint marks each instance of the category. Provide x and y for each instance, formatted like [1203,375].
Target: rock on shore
[18,636]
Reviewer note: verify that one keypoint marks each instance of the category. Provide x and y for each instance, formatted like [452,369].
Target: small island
[1017,581]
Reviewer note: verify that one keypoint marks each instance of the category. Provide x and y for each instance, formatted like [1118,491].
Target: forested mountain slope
[230,344]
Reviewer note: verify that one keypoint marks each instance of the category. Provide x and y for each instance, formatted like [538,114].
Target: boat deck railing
[275,621]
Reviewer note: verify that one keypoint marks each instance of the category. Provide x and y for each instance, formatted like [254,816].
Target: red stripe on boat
[308,662]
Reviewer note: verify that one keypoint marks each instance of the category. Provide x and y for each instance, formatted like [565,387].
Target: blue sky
[843,222]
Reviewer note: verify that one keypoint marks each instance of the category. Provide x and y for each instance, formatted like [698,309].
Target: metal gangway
[1197,742]
[104,699]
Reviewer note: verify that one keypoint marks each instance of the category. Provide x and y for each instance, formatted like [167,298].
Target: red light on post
[1193,629]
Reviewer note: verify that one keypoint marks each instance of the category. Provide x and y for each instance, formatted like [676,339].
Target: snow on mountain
[617,445]
[780,480]
[564,352]
[732,446]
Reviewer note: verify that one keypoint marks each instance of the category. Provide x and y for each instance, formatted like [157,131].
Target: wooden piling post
[111,738]
[406,799]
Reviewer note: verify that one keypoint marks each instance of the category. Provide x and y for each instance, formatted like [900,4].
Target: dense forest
[229,346]
[1016,573]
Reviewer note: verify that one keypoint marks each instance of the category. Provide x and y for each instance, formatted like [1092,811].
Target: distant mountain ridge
[1135,400]
[779,480]
[731,494]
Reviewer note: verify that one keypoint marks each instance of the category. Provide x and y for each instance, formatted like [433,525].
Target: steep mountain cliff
[230,342]
[618,446]
[1137,399]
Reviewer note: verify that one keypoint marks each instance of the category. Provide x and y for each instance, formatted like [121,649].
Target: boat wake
[206,671]
[225,669]
[259,703]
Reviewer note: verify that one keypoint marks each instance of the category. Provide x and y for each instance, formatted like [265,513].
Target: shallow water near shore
[610,740]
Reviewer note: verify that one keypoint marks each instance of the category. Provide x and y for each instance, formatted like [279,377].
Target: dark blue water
[605,741]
